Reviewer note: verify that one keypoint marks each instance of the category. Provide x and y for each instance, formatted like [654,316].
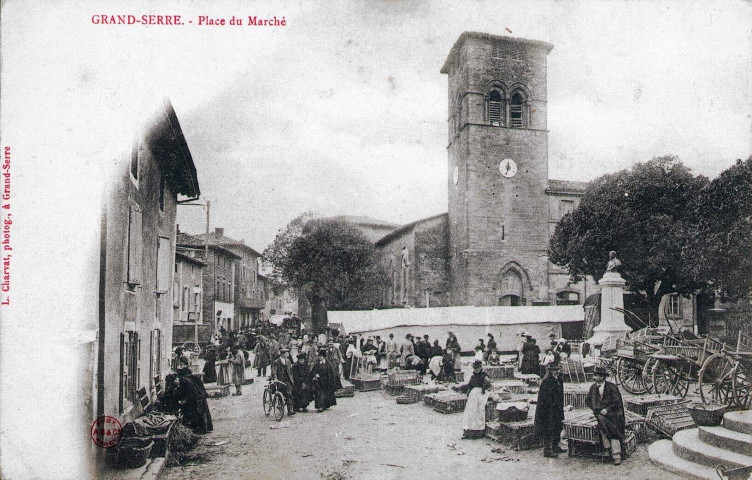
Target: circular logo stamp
[105,431]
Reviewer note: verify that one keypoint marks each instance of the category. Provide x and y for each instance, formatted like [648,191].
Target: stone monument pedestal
[612,322]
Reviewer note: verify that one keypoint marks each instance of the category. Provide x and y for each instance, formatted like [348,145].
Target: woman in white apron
[478,390]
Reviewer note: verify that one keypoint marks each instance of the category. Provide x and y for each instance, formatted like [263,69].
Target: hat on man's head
[302,356]
[477,363]
[391,335]
[425,336]
[284,349]
[553,366]
[322,352]
[600,371]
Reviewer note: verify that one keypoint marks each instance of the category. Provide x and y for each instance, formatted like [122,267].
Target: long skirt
[474,418]
[224,376]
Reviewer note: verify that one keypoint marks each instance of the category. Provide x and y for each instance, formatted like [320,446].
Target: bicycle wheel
[278,406]
[267,402]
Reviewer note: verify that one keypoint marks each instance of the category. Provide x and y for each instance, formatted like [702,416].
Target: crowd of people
[310,368]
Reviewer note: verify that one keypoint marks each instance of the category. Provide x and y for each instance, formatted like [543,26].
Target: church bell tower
[498,170]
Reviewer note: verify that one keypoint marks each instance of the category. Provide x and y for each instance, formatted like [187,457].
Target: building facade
[490,248]
[137,266]
[246,293]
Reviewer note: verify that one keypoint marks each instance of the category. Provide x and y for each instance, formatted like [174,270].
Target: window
[175,294]
[135,245]
[510,301]
[164,264]
[565,207]
[517,111]
[196,302]
[218,291]
[184,305]
[459,113]
[130,372]
[673,307]
[567,298]
[495,109]
[503,50]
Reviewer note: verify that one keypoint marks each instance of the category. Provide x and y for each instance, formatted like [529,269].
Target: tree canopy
[649,215]
[329,261]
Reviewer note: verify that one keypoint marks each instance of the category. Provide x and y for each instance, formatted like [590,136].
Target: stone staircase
[695,453]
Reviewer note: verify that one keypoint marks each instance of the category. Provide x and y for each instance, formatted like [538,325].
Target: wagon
[633,362]
[726,375]
[679,362]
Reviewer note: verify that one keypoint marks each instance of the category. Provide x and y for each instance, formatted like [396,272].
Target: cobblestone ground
[369,436]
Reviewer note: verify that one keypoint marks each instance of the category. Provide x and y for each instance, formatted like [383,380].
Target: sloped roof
[185,240]
[566,186]
[363,220]
[225,241]
[405,228]
[189,259]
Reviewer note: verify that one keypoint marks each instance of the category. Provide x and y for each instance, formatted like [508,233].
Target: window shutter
[135,245]
[494,113]
[123,377]
[164,265]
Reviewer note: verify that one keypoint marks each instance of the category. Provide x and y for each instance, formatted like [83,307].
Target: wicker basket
[446,402]
[133,452]
[707,415]
[404,378]
[394,389]
[517,435]
[366,383]
[575,399]
[418,391]
[501,372]
[512,386]
[511,414]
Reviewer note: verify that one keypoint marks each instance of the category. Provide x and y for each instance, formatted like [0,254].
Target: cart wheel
[716,380]
[630,376]
[670,380]
[742,384]
[647,374]
[267,402]
[278,406]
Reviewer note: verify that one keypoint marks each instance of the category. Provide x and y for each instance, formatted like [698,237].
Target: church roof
[570,187]
[487,36]
[405,228]
[367,221]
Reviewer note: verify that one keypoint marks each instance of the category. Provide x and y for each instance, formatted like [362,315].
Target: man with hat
[490,346]
[282,372]
[392,352]
[549,413]
[477,389]
[605,401]
[529,355]
[301,374]
[406,350]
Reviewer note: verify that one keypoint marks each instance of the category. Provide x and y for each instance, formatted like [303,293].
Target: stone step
[727,439]
[662,454]
[687,445]
[739,421]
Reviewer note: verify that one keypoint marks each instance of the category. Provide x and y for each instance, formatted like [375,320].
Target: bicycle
[274,401]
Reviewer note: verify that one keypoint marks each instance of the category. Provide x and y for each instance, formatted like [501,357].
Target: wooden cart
[726,375]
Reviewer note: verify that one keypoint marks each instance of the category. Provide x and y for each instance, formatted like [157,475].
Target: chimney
[220,232]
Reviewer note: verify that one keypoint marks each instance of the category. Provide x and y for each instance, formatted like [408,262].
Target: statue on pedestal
[614,264]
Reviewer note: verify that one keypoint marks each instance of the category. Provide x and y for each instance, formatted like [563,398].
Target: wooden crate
[637,425]
[575,399]
[529,378]
[216,391]
[446,402]
[517,435]
[418,391]
[347,390]
[578,448]
[512,386]
[404,378]
[583,429]
[394,389]
[501,372]
[366,383]
[641,404]
[671,418]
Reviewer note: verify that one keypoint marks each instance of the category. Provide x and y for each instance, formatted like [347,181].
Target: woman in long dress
[478,390]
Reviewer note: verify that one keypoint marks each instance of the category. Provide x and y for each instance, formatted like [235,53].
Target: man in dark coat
[282,372]
[301,374]
[323,383]
[605,401]
[424,352]
[549,413]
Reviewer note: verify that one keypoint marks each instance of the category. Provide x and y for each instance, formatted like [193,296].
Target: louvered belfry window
[495,109]
[503,50]
[516,111]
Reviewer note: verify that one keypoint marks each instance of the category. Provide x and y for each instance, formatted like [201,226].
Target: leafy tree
[725,240]
[330,262]
[649,216]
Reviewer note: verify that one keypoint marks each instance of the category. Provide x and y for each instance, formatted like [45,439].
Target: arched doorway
[511,288]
